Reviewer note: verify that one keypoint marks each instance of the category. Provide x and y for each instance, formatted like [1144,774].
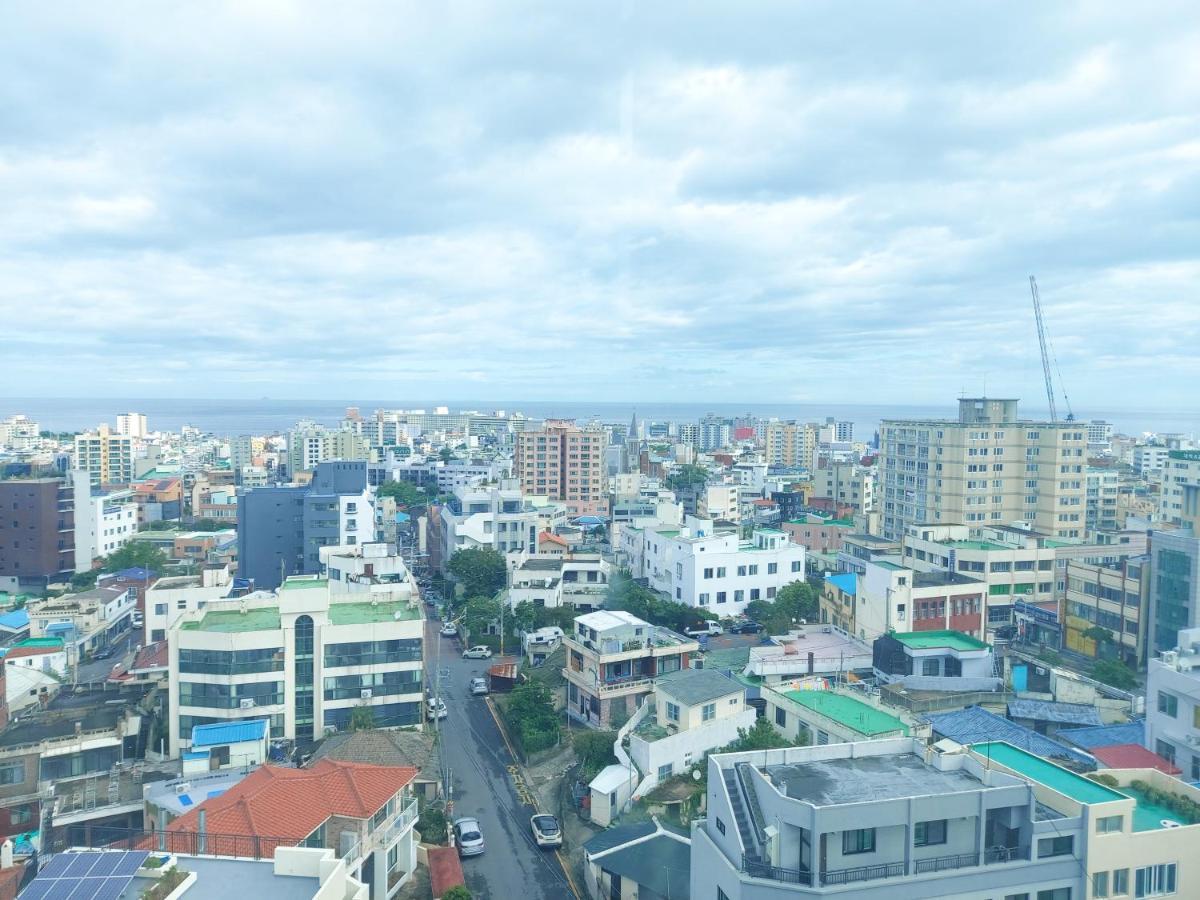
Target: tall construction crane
[1041,330]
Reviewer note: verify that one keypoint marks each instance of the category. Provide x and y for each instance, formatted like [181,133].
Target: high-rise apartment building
[1174,587]
[713,433]
[18,433]
[986,467]
[564,463]
[132,425]
[106,457]
[1103,486]
[308,447]
[37,532]
[1179,500]
[792,444]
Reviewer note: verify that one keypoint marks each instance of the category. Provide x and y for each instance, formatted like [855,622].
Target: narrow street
[484,787]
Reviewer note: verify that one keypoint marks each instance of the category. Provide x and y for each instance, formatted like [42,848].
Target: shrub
[432,825]
[458,892]
[594,749]
[1106,780]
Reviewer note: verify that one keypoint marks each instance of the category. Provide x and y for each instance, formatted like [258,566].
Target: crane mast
[1041,330]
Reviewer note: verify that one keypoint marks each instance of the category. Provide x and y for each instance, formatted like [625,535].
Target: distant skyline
[651,203]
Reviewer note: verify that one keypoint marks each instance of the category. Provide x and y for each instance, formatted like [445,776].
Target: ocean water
[266,416]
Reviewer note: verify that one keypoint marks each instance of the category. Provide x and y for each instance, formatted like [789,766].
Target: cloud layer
[670,201]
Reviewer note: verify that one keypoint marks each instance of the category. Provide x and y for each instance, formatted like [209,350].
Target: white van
[709,628]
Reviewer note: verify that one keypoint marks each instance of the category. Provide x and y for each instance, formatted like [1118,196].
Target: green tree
[594,750]
[794,601]
[446,454]
[458,892]
[136,554]
[159,525]
[626,594]
[481,571]
[362,718]
[432,825]
[762,736]
[479,613]
[687,475]
[1116,674]
[405,492]
[530,713]
[84,581]
[203,524]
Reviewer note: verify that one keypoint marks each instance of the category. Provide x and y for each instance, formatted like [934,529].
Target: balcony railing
[863,873]
[620,684]
[757,869]
[1005,854]
[945,863]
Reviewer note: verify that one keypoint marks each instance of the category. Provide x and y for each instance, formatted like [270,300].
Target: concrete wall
[686,748]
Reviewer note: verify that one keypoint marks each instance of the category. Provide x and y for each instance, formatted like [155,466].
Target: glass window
[1109,824]
[709,712]
[858,840]
[1120,882]
[673,712]
[780,717]
[664,771]
[12,773]
[1154,881]
[1168,703]
[1056,846]
[929,833]
[1100,884]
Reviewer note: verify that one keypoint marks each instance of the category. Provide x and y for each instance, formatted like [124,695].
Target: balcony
[946,863]
[863,873]
[756,869]
[1005,854]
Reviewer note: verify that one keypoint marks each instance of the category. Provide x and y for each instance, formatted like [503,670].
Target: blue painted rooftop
[975,725]
[135,573]
[228,733]
[15,620]
[1047,711]
[1105,735]
[847,582]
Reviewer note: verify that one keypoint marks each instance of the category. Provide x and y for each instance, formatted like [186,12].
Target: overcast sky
[739,202]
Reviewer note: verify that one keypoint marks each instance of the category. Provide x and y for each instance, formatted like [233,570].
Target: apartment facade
[986,468]
[497,517]
[309,447]
[1173,704]
[1103,488]
[105,456]
[37,532]
[566,464]
[303,660]
[847,484]
[1179,497]
[792,444]
[1113,597]
[1174,587]
[713,570]
[613,660]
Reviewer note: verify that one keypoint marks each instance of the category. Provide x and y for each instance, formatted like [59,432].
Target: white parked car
[708,628]
[479,687]
[479,652]
[449,629]
[546,830]
[435,708]
[468,837]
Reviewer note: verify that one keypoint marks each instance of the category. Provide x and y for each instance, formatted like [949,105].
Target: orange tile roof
[34,650]
[279,802]
[445,870]
[547,538]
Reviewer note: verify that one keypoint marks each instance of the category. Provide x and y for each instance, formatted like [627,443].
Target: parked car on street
[479,686]
[546,830]
[707,628]
[477,652]
[746,627]
[468,837]
[449,629]
[435,708]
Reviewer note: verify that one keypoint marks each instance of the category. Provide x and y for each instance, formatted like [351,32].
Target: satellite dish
[696,774]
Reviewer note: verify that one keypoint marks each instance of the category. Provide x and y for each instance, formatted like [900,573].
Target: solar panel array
[101,875]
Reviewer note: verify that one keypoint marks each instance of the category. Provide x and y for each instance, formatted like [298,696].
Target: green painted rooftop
[1146,815]
[931,640]
[669,532]
[304,583]
[366,614]
[40,642]
[229,620]
[865,719]
[887,565]
[975,545]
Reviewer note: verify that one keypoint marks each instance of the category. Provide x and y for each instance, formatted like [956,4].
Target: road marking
[567,871]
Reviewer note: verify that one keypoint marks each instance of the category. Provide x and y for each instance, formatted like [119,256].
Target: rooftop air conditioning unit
[183,788]
[365,694]
[246,704]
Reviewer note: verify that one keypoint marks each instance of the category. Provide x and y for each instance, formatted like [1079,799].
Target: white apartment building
[105,521]
[988,467]
[713,434]
[891,820]
[1099,434]
[719,501]
[19,433]
[1103,486]
[133,425]
[578,580]
[498,517]
[303,660]
[716,571]
[169,599]
[1173,704]
[85,622]
[1179,499]
[106,457]
[1149,459]
[312,445]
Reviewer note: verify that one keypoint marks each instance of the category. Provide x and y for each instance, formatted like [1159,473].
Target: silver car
[479,686]
[468,837]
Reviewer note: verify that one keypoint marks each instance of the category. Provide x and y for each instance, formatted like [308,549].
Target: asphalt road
[97,670]
[483,787]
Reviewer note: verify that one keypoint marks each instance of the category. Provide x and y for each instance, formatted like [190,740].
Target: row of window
[739,596]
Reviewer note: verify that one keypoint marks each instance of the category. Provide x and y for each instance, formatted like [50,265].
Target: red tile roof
[445,870]
[278,802]
[548,538]
[18,652]
[1133,756]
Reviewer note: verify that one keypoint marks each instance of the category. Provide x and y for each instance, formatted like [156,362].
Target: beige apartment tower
[986,468]
[566,464]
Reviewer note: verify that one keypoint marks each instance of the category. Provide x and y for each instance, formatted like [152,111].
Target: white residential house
[170,598]
[498,517]
[1173,704]
[713,570]
[86,621]
[579,580]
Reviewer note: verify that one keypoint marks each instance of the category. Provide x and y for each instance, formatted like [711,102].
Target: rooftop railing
[756,869]
[946,863]
[863,873]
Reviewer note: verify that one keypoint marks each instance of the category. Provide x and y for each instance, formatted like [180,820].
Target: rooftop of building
[261,618]
[180,795]
[1134,756]
[693,686]
[846,582]
[936,640]
[1105,735]
[977,725]
[941,579]
[89,711]
[368,613]
[304,583]
[381,747]
[865,779]
[1049,711]
[847,711]
[659,862]
[290,803]
[974,545]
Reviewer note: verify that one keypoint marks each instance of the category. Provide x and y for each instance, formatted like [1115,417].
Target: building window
[703,599]
[1165,749]
[720,571]
[780,717]
[708,573]
[796,565]
[1109,824]
[741,570]
[720,825]
[1120,882]
[673,712]
[709,712]
[739,596]
[929,833]
[930,667]
[664,772]
[1100,884]
[12,773]
[720,596]
[754,593]
[1056,846]
[1154,881]
[772,568]
[858,840]
[1168,703]
[19,815]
